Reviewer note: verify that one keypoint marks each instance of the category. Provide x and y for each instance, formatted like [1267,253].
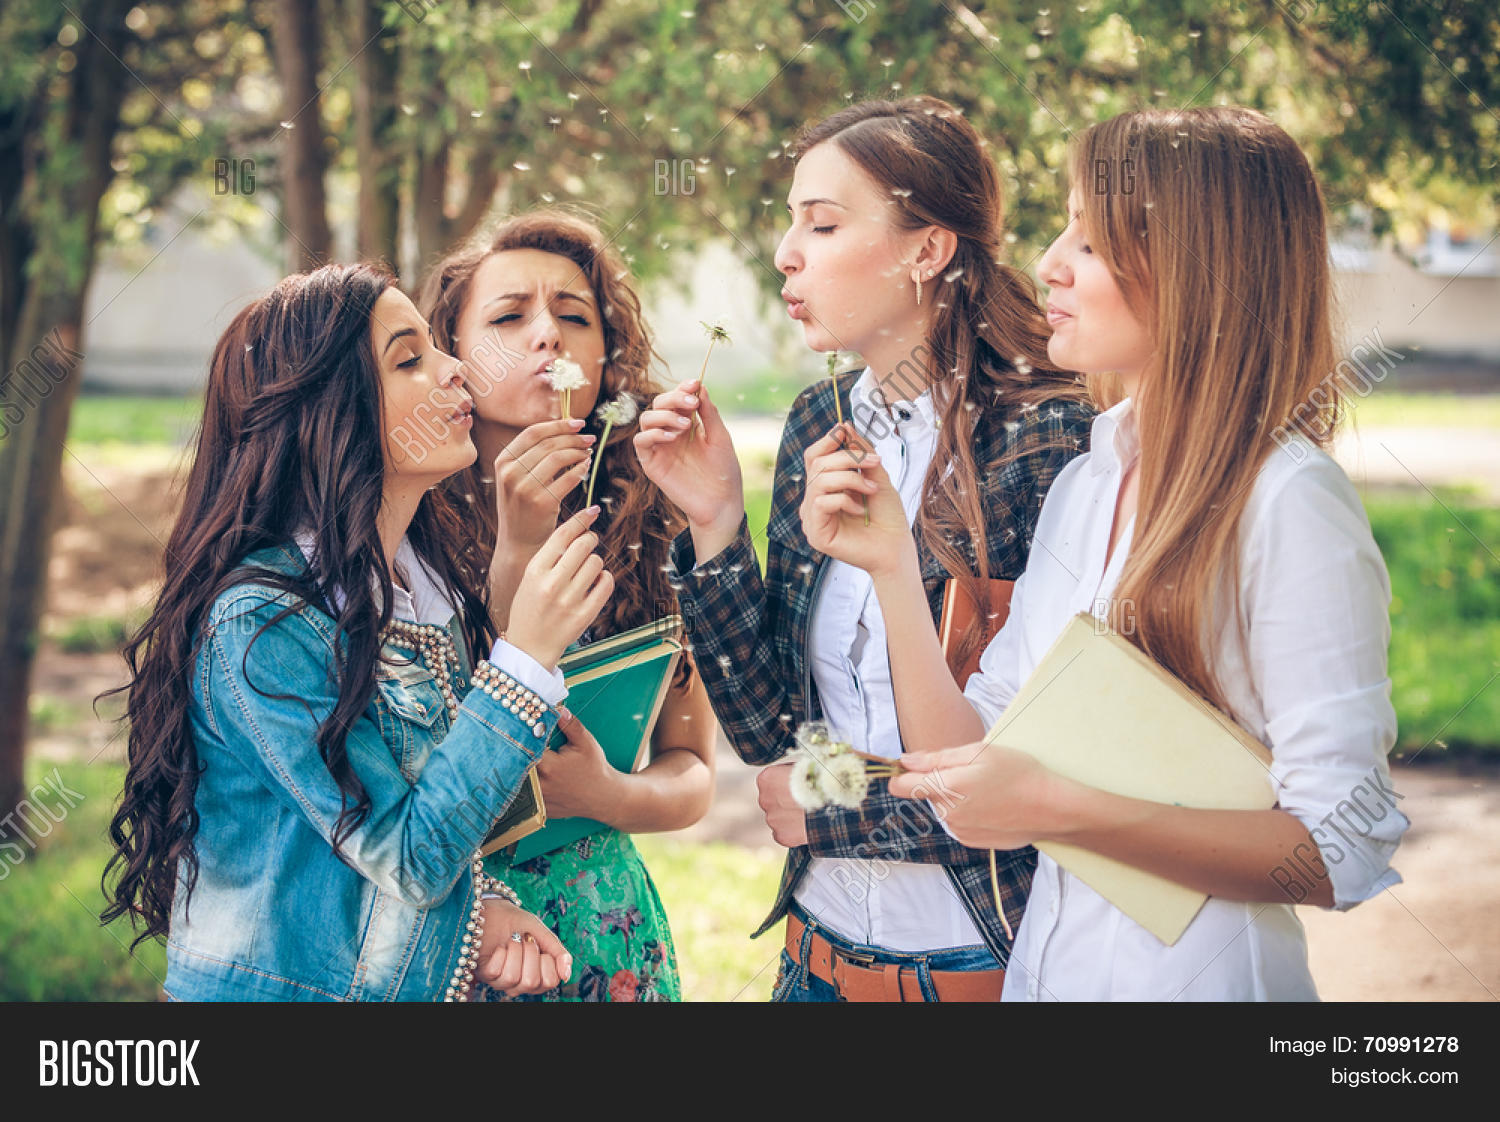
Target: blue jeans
[795,983]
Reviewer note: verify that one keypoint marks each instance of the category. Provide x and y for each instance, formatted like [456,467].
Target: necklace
[433,646]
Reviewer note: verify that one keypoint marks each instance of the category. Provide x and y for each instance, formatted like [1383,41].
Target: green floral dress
[596,895]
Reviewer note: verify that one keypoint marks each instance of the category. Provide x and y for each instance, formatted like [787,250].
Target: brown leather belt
[885,981]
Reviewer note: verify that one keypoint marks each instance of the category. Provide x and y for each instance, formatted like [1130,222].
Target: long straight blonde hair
[1212,223]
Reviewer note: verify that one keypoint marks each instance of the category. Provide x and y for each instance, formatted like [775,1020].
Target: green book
[616,687]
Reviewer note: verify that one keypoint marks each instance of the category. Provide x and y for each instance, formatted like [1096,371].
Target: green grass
[52,947]
[93,634]
[133,419]
[768,393]
[715,894]
[1445,619]
[1427,410]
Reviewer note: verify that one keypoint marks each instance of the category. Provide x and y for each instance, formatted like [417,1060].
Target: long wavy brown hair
[291,440]
[1220,247]
[988,338]
[637,522]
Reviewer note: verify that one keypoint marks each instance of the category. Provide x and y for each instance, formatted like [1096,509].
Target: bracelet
[493,889]
[524,703]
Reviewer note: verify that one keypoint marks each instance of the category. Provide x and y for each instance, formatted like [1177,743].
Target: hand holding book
[578,781]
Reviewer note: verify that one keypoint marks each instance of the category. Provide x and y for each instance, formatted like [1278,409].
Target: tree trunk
[296,37]
[427,203]
[376,154]
[41,379]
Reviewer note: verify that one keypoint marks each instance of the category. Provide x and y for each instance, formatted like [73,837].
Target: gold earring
[919,290]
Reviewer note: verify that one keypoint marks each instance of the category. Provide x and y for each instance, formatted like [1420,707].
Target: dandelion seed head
[621,411]
[564,374]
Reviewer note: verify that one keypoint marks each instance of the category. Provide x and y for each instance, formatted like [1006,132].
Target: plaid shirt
[749,641]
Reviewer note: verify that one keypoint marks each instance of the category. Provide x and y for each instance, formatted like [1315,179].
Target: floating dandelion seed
[717,332]
[901,192]
[525,65]
[953,274]
[521,165]
[548,196]
[476,113]
[288,124]
[554,121]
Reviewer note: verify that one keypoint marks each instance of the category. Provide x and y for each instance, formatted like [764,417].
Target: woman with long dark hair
[313,763]
[893,251]
[540,286]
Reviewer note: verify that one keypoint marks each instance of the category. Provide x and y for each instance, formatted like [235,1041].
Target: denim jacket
[276,914]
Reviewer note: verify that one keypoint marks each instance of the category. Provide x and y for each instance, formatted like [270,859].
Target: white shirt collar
[866,392]
[1114,439]
[403,607]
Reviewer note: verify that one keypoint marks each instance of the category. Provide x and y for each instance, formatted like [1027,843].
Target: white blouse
[1315,596]
[900,906]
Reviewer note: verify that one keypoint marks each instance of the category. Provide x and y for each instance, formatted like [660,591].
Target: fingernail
[593,510]
[576,422]
[691,400]
[681,421]
[589,438]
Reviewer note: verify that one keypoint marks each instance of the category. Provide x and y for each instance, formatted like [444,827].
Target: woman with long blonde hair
[544,285]
[1210,527]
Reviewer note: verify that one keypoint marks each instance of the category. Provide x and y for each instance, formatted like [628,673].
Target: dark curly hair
[637,522]
[291,440]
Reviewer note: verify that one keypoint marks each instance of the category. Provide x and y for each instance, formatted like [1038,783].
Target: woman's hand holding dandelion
[843,475]
[701,474]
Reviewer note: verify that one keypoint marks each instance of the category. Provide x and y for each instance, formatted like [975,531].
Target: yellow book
[1098,710]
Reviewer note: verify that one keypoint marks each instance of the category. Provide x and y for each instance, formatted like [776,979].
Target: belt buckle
[859,958]
[856,958]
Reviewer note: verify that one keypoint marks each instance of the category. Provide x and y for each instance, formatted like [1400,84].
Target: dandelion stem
[999,907]
[588,499]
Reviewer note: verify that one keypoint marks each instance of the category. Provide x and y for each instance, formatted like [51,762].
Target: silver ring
[517,937]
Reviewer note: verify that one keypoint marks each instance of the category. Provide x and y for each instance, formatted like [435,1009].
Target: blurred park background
[163,164]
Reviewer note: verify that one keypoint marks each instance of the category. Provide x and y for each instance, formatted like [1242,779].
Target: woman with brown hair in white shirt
[1209,526]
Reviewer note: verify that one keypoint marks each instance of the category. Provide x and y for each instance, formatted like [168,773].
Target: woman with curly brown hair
[543,286]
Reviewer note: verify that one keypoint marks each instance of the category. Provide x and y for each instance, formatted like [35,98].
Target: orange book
[961,614]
